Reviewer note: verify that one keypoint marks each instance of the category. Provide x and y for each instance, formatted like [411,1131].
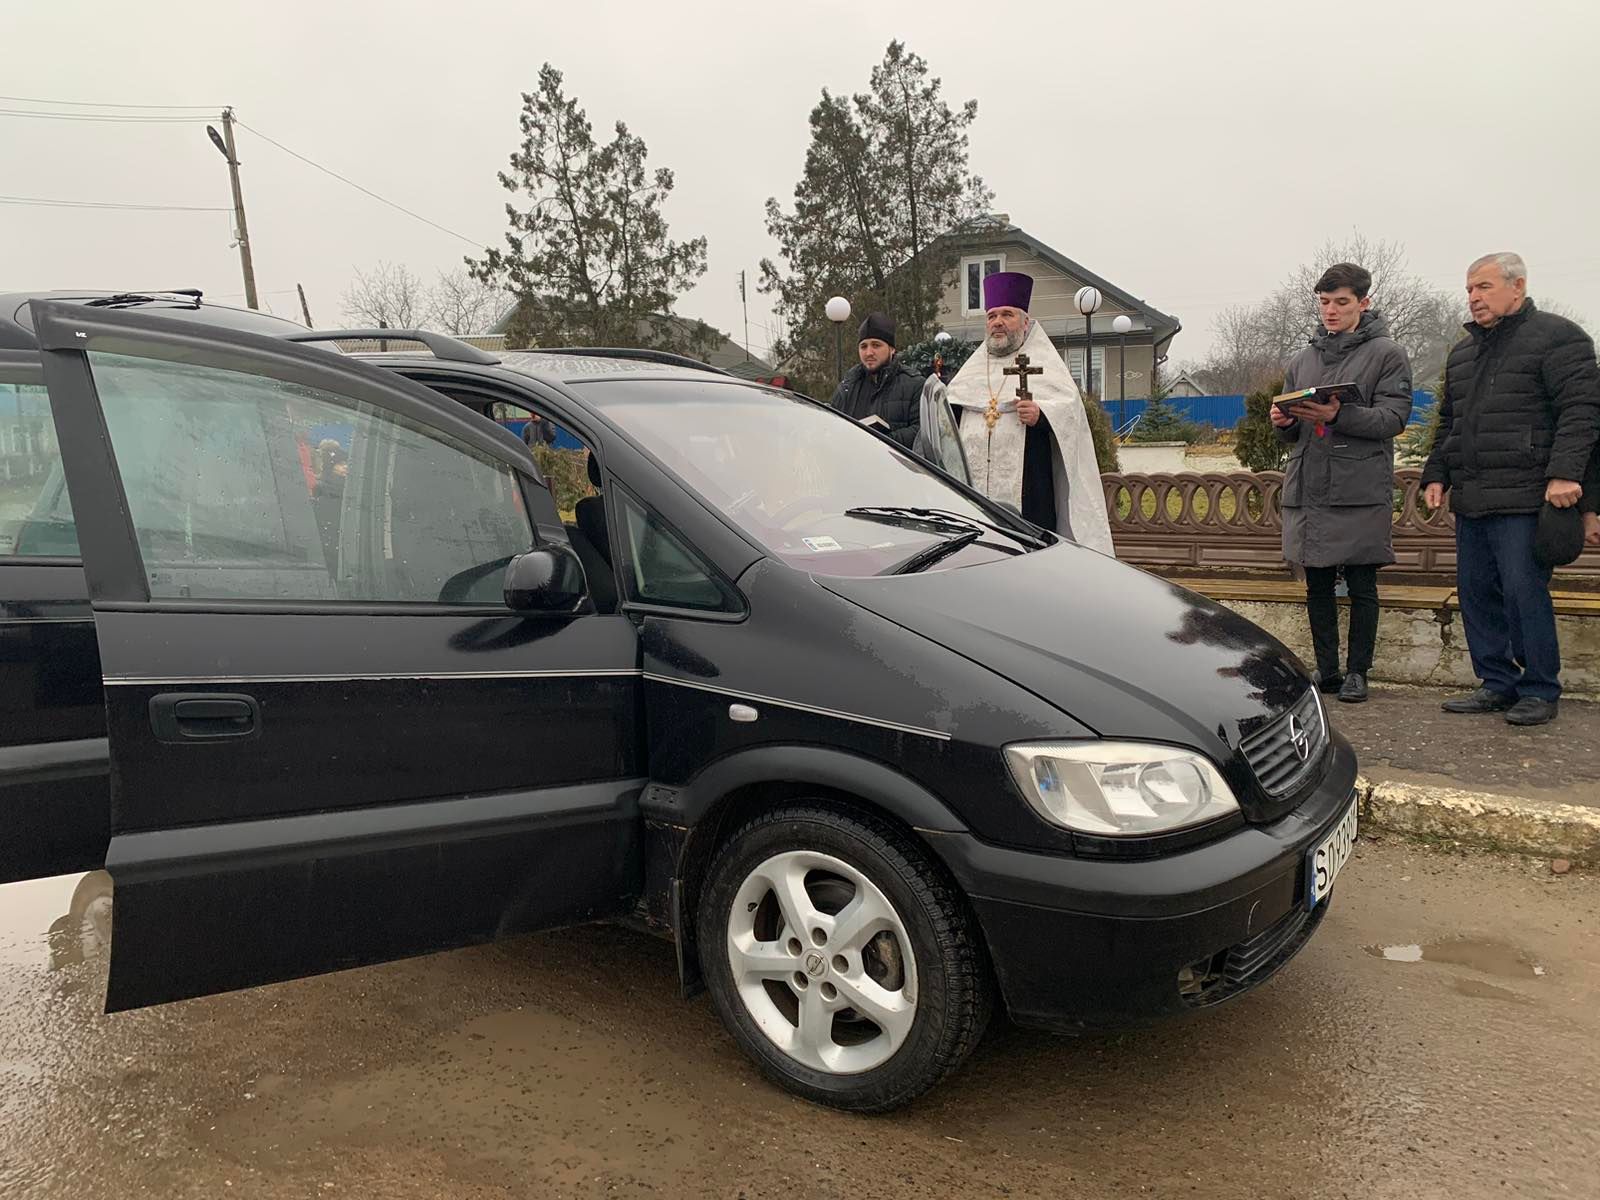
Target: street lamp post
[1088,302]
[1121,323]
[838,311]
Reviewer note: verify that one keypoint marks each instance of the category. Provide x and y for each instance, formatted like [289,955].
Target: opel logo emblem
[1300,737]
[815,965]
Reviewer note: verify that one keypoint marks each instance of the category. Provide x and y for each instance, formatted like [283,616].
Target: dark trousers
[1323,609]
[1505,606]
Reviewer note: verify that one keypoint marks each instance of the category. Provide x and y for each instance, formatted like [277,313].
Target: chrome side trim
[377,676]
[799,707]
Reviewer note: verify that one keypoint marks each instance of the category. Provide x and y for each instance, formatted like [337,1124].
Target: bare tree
[1424,320]
[1251,344]
[1563,310]
[388,296]
[459,304]
[1241,359]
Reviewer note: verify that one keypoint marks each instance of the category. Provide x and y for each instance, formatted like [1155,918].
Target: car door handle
[203,716]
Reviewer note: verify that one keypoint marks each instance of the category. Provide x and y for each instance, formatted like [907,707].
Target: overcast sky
[1189,152]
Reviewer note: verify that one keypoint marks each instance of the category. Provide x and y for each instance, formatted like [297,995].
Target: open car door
[332,742]
[939,434]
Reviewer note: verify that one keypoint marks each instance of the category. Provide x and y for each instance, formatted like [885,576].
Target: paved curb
[1490,822]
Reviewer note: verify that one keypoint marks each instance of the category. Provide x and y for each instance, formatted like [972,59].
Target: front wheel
[840,959]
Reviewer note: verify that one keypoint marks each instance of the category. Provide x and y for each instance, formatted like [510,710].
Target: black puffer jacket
[1521,407]
[891,392]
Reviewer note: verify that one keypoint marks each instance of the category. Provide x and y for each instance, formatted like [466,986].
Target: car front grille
[1286,752]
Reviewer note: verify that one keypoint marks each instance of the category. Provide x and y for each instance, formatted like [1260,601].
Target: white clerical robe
[995,457]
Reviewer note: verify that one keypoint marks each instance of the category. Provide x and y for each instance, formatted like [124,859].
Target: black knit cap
[1558,538]
[880,326]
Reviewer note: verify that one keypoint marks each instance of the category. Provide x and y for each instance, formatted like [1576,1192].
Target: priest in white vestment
[1036,455]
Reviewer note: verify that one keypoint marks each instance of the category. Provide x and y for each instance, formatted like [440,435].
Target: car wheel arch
[732,790]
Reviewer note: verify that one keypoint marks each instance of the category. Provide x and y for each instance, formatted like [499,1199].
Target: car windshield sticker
[822,544]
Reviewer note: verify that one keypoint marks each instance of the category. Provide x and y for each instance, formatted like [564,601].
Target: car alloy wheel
[822,962]
[840,956]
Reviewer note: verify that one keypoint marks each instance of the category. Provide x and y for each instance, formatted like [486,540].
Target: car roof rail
[632,352]
[442,345]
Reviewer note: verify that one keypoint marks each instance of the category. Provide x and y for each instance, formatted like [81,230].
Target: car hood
[1123,652]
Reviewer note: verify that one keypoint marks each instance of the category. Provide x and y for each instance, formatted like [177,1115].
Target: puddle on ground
[1490,958]
[1479,990]
[55,922]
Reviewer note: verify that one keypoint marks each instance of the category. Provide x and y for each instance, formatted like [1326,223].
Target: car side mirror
[547,581]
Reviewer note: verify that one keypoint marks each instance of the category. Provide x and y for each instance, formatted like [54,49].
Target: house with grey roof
[1120,363]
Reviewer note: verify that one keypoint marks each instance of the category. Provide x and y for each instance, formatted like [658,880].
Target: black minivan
[872,749]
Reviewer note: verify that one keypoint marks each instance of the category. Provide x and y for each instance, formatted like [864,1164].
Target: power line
[107,118]
[357,186]
[41,202]
[93,104]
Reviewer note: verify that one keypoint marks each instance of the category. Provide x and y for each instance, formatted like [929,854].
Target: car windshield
[813,488]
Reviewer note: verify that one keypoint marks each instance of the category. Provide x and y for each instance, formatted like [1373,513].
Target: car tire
[840,958]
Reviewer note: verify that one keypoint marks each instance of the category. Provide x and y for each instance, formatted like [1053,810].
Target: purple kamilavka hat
[1007,289]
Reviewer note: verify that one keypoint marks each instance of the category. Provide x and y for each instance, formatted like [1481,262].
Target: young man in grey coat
[1338,488]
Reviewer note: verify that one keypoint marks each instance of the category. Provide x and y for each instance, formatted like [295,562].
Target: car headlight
[1120,789]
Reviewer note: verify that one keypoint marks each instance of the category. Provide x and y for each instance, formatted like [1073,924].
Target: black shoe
[1484,700]
[1530,710]
[1328,686]
[1354,688]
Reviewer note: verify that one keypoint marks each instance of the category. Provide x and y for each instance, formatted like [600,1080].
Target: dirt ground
[1440,1037]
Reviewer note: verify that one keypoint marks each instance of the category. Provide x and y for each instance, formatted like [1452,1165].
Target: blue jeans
[1505,606]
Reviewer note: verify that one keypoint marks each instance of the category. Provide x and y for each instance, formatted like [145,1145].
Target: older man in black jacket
[880,387]
[1518,422]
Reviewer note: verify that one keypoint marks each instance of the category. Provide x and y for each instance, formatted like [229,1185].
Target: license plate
[1327,858]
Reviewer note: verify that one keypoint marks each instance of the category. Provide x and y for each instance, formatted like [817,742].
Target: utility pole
[304,307]
[745,303]
[224,143]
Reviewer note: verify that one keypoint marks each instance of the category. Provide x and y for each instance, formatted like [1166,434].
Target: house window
[973,272]
[1075,365]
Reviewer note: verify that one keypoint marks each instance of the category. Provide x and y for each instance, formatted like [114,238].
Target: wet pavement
[1440,1037]
[1402,736]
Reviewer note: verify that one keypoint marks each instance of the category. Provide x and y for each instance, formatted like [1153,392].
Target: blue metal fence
[1225,412]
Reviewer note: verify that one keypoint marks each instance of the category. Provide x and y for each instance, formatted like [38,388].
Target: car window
[663,570]
[245,487]
[562,456]
[35,513]
[787,472]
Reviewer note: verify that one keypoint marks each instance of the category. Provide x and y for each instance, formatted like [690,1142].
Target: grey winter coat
[1338,489]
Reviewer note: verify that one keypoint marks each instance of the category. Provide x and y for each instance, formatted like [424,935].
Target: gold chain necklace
[991,415]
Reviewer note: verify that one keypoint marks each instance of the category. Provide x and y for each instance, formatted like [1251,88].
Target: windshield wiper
[129,299]
[937,518]
[928,555]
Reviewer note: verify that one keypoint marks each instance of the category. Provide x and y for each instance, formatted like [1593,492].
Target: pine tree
[589,259]
[1416,443]
[885,178]
[1257,444]
[1162,422]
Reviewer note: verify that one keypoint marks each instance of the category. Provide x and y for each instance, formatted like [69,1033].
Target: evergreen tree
[1162,422]
[1105,438]
[885,178]
[954,351]
[1257,444]
[1416,443]
[589,259]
